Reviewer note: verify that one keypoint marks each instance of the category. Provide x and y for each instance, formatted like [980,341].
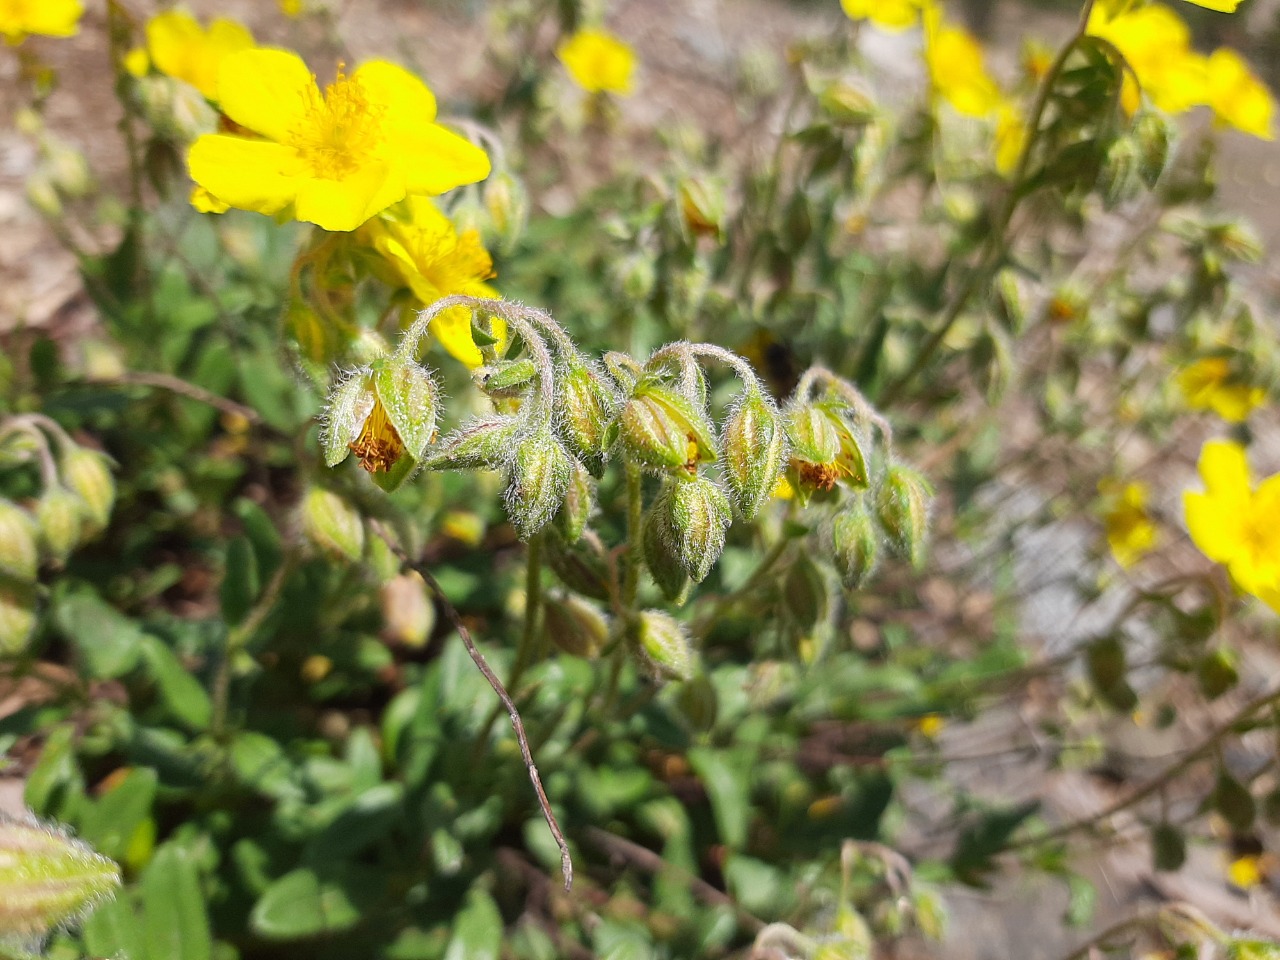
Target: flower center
[379,445]
[341,130]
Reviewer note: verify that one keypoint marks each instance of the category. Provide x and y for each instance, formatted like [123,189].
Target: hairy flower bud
[691,515]
[579,501]
[1120,176]
[47,878]
[664,430]
[507,203]
[87,474]
[506,378]
[579,569]
[662,645]
[586,410]
[58,517]
[1154,136]
[902,504]
[537,479]
[846,104]
[18,555]
[855,544]
[332,524]
[755,451]
[575,626]
[825,449]
[702,206]
[661,560]
[17,616]
[384,413]
[482,444]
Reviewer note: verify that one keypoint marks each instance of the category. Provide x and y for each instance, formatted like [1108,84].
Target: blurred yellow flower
[1235,523]
[180,48]
[1208,384]
[1157,45]
[931,725]
[598,62]
[51,18]
[206,202]
[290,8]
[136,62]
[427,255]
[893,15]
[1237,97]
[956,68]
[1245,872]
[1011,137]
[336,158]
[1131,533]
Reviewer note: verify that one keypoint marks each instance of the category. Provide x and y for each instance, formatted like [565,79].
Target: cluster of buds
[76,494]
[559,419]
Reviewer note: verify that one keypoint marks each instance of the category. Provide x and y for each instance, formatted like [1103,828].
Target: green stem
[995,249]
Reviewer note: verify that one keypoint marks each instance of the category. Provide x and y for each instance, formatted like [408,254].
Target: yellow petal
[172,38]
[1222,6]
[136,62]
[408,101]
[50,18]
[1234,402]
[342,205]
[247,174]
[206,202]
[598,61]
[1224,468]
[433,160]
[1216,526]
[266,91]
[1238,97]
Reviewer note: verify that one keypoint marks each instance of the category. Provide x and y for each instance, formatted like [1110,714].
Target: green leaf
[972,859]
[112,930]
[302,904]
[262,534]
[725,775]
[240,580]
[110,822]
[181,692]
[108,641]
[55,786]
[1081,900]
[477,935]
[174,923]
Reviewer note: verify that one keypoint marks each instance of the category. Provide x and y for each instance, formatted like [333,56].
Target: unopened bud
[58,517]
[902,504]
[576,626]
[1121,174]
[662,645]
[855,544]
[507,203]
[1238,241]
[1010,303]
[483,444]
[87,473]
[18,555]
[660,557]
[47,878]
[702,206]
[635,275]
[537,479]
[662,429]
[506,378]
[17,616]
[813,435]
[586,410]
[332,524]
[755,451]
[408,615]
[580,570]
[846,104]
[1154,136]
[804,593]
[579,501]
[693,515]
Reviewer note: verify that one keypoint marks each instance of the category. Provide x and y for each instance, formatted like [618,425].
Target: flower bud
[47,878]
[824,449]
[579,501]
[1120,176]
[846,104]
[508,378]
[58,517]
[507,203]
[586,410]
[482,444]
[662,645]
[902,504]
[702,207]
[755,451]
[635,276]
[692,515]
[537,479]
[855,544]
[1010,304]
[660,556]
[88,475]
[1238,241]
[1154,136]
[17,616]
[18,555]
[575,626]
[408,615]
[580,570]
[332,524]
[664,430]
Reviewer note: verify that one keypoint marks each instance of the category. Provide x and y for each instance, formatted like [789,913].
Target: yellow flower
[956,67]
[1237,97]
[290,8]
[1207,384]
[1011,137]
[893,15]
[427,255]
[1245,872]
[931,725]
[206,202]
[333,159]
[52,18]
[182,49]
[598,62]
[1235,523]
[1130,531]
[1157,45]
[136,62]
